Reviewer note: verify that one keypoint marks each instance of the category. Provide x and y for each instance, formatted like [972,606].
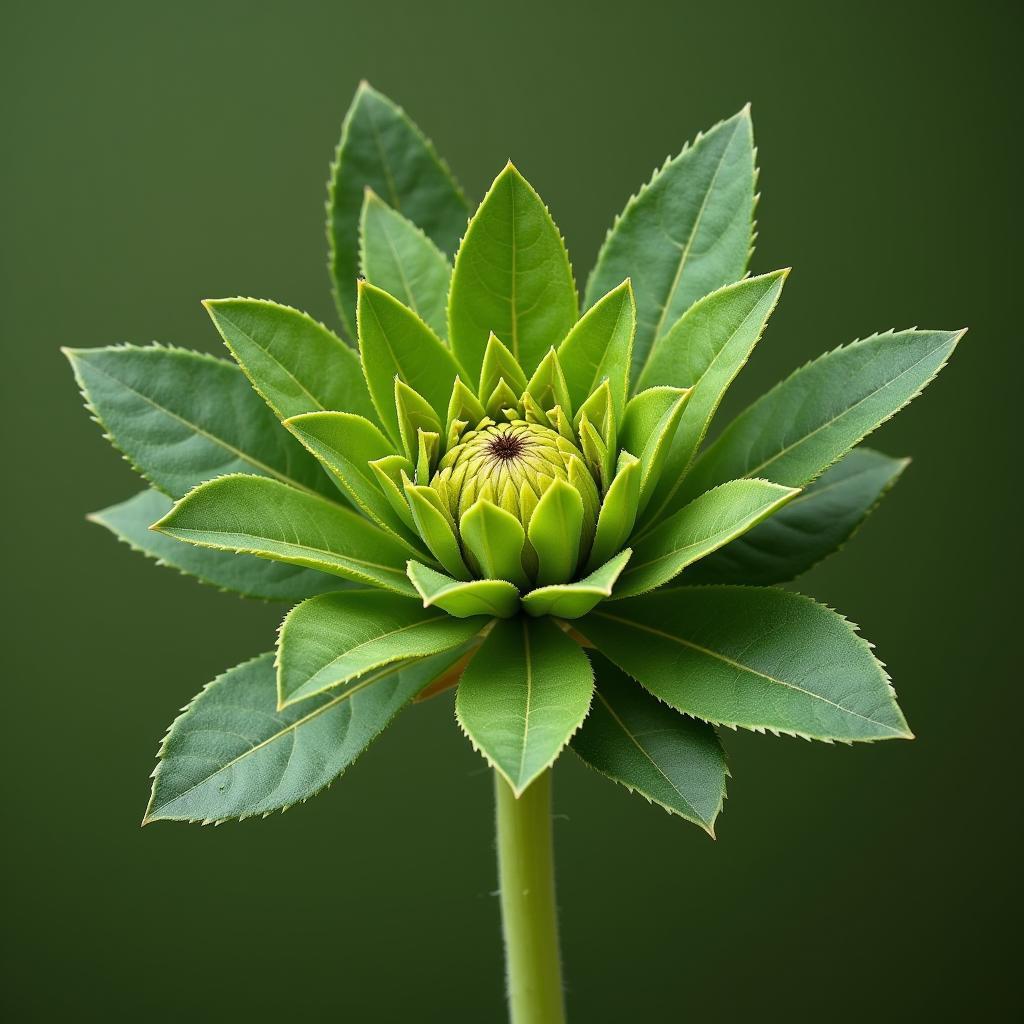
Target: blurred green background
[156,154]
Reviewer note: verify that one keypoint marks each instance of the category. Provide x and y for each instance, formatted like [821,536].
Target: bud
[512,465]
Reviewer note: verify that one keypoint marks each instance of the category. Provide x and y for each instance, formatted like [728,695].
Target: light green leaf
[707,523]
[256,516]
[803,425]
[648,427]
[463,599]
[130,520]
[634,739]
[181,418]
[434,525]
[332,639]
[230,754]
[524,694]
[618,511]
[394,341]
[495,539]
[686,233]
[706,348]
[555,531]
[512,277]
[295,363]
[381,148]
[396,256]
[345,445]
[573,600]
[599,348]
[807,529]
[760,658]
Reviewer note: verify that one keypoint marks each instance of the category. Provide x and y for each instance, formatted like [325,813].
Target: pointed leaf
[434,525]
[181,418]
[332,639]
[397,257]
[256,516]
[495,538]
[760,658]
[381,148]
[705,349]
[599,348]
[618,511]
[803,425]
[512,277]
[635,740]
[524,694]
[464,599]
[648,428]
[573,600]
[499,364]
[394,341]
[707,523]
[130,520]
[295,363]
[230,754]
[345,445]
[555,531]
[685,234]
[807,529]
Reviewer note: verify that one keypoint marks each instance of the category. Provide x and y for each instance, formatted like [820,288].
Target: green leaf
[181,418]
[345,445]
[686,233]
[760,658]
[335,638]
[463,599]
[434,525]
[499,364]
[295,363]
[230,754]
[512,277]
[807,529]
[394,341]
[635,740]
[706,348]
[381,148]
[524,694]
[648,427]
[495,539]
[618,510]
[573,600]
[803,425]
[707,523]
[256,516]
[555,530]
[396,256]
[130,520]
[598,348]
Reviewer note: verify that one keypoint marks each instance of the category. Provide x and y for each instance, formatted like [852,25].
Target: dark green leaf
[381,148]
[181,418]
[231,754]
[685,234]
[803,425]
[807,529]
[759,658]
[130,522]
[634,739]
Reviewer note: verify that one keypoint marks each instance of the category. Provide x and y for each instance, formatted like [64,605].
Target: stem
[526,873]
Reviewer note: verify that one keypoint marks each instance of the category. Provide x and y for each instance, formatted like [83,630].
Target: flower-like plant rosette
[489,490]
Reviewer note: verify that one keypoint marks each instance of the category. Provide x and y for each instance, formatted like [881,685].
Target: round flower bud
[513,464]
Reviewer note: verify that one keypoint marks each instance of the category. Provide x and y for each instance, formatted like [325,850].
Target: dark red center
[505,447]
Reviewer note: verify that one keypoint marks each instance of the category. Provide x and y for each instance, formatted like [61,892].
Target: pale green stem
[526,874]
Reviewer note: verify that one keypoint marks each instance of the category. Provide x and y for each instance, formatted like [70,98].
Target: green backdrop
[156,154]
